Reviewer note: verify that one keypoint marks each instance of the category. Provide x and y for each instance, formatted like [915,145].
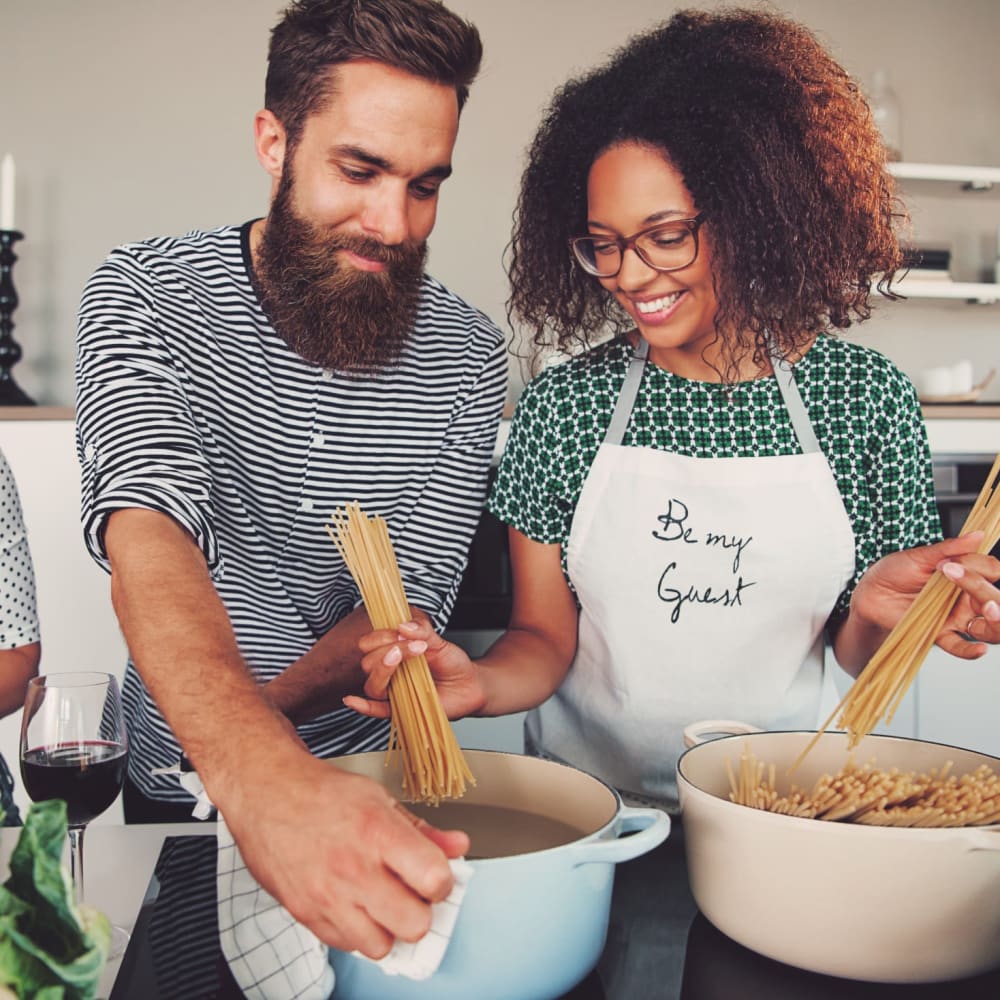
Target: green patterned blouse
[863,409]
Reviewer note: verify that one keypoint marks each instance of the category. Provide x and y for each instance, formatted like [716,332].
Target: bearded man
[237,386]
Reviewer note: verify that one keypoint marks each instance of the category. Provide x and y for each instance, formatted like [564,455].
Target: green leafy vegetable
[50,949]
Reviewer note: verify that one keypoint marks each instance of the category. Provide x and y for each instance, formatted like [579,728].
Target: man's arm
[318,681]
[335,849]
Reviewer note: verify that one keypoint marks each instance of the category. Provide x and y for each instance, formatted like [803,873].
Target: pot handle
[696,731]
[652,827]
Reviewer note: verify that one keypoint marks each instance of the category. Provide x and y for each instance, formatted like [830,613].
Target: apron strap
[802,425]
[783,372]
[626,398]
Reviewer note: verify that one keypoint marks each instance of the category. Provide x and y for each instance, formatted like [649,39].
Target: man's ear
[269,142]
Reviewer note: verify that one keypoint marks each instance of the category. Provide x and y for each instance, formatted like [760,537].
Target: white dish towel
[272,956]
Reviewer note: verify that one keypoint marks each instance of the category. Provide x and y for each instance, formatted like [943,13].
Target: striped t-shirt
[190,404]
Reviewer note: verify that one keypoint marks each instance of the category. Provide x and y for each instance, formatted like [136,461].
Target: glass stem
[76,860]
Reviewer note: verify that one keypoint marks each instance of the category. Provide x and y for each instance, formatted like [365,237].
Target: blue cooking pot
[532,923]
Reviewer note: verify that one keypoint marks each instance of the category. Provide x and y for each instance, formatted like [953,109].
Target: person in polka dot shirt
[20,646]
[700,503]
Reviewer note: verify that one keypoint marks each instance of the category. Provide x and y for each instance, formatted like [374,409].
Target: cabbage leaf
[50,949]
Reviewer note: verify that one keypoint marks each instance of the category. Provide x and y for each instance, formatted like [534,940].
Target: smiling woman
[695,504]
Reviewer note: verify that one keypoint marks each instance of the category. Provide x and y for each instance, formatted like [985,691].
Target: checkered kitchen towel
[273,957]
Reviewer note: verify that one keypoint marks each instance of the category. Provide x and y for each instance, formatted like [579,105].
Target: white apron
[704,587]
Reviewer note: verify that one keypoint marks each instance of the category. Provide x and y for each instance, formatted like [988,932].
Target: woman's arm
[519,671]
[531,659]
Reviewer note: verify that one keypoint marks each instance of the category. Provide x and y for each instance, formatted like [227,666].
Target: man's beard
[331,313]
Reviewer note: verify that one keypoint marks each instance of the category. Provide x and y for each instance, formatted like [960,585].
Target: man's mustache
[369,248]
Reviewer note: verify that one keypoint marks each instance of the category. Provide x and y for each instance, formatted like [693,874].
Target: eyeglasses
[667,247]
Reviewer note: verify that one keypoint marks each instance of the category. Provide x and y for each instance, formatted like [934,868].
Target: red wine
[87,776]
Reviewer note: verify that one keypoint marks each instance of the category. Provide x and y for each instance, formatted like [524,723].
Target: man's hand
[333,848]
[339,853]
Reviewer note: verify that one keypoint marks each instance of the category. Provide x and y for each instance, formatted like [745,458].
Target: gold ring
[972,621]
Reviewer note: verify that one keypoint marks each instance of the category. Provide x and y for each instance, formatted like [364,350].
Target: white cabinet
[958,701]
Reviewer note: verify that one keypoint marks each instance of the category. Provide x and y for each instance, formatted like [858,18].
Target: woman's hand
[889,587]
[975,619]
[456,677]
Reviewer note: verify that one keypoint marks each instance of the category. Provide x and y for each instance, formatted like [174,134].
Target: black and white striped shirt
[189,403]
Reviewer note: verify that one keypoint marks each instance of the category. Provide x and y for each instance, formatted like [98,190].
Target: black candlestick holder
[11,394]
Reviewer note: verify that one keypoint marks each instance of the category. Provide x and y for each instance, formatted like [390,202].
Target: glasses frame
[625,243]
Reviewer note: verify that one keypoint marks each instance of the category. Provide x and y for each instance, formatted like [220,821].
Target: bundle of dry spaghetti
[434,766]
[864,794]
[881,686]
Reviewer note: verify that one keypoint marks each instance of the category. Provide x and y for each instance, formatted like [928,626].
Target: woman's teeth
[658,305]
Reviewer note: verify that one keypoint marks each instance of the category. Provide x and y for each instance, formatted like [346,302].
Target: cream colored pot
[872,903]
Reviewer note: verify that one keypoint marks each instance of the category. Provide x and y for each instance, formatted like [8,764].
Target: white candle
[7,192]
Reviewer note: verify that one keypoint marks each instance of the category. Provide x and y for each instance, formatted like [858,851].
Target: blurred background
[133,118]
[129,119]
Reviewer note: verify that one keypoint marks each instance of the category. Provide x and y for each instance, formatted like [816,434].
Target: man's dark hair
[778,149]
[421,37]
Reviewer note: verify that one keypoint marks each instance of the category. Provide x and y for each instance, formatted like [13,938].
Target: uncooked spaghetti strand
[878,691]
[421,739]
[904,651]
[873,797]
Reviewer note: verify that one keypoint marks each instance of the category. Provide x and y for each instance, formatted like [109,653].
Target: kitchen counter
[964,435]
[658,946]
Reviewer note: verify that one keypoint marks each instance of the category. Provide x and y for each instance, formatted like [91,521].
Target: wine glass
[74,747]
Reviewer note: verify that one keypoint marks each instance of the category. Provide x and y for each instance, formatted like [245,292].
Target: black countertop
[659,945]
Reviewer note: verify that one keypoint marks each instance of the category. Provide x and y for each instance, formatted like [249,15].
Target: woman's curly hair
[778,149]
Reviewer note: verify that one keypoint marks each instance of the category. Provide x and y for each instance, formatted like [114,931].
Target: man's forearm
[317,682]
[183,646]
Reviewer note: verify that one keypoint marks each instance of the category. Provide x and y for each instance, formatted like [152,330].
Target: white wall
[132,118]
[79,628]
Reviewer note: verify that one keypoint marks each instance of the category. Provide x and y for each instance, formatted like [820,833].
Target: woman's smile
[632,186]
[659,309]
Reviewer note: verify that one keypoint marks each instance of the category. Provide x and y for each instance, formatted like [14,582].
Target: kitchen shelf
[928,178]
[36,413]
[947,179]
[979,292]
